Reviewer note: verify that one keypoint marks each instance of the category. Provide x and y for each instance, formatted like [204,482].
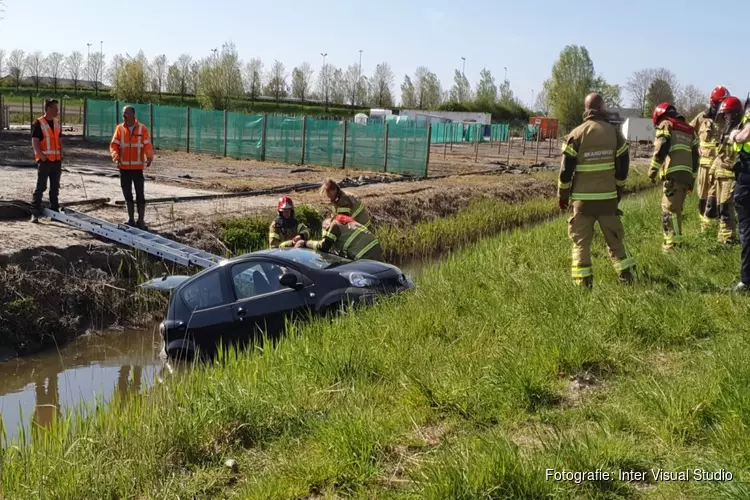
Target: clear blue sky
[525,37]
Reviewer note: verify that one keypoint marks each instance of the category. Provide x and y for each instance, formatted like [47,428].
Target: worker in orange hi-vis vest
[47,143]
[131,150]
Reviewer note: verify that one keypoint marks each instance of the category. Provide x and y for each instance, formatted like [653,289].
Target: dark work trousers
[742,205]
[47,170]
[129,179]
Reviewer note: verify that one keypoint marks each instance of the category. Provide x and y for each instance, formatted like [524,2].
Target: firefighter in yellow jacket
[594,170]
[348,238]
[286,230]
[345,203]
[708,126]
[675,161]
[723,172]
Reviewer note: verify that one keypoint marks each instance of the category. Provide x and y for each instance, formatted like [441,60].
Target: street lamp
[88,62]
[506,74]
[100,67]
[326,77]
[463,68]
[532,97]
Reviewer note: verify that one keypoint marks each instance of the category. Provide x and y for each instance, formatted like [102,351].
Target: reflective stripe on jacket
[352,241]
[347,204]
[279,233]
[50,142]
[678,163]
[133,150]
[709,134]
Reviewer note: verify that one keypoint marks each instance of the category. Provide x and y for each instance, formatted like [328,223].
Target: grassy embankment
[495,369]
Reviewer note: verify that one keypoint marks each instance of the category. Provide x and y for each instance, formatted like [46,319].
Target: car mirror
[289,280]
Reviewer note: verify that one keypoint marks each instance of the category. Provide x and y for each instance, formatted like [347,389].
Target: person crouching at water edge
[346,237]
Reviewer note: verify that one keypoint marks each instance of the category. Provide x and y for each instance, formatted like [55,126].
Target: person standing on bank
[46,139]
[131,149]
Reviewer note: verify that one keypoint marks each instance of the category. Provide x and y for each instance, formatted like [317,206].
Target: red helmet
[730,105]
[660,111]
[718,94]
[284,202]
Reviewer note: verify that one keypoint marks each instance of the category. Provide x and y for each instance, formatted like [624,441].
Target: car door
[210,309]
[262,303]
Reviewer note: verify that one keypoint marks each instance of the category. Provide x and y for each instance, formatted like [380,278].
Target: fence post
[476,152]
[2,114]
[509,145]
[387,133]
[151,121]
[263,138]
[84,120]
[346,128]
[499,143]
[538,134]
[226,131]
[117,112]
[304,139]
[187,145]
[453,132]
[549,153]
[31,111]
[445,142]
[429,145]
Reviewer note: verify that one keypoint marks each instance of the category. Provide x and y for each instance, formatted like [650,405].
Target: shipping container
[547,126]
[638,129]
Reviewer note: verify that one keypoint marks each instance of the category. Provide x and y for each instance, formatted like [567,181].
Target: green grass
[493,370]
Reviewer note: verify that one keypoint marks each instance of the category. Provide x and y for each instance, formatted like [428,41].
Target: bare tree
[276,85]
[254,78]
[74,68]
[338,87]
[324,83]
[97,66]
[381,85]
[159,70]
[183,68]
[55,68]
[691,101]
[17,66]
[118,61]
[35,64]
[640,82]
[220,79]
[351,83]
[541,104]
[427,87]
[302,81]
[2,61]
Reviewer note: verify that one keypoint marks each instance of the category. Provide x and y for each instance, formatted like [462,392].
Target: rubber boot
[131,214]
[141,214]
[587,282]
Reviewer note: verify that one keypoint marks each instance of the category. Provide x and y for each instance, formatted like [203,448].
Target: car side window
[204,293]
[252,279]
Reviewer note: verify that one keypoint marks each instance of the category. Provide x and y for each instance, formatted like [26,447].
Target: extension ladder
[153,244]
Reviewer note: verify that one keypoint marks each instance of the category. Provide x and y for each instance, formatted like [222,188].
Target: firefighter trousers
[727,214]
[672,205]
[707,205]
[581,233]
[742,202]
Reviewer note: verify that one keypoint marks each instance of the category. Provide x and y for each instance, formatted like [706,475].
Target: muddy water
[35,389]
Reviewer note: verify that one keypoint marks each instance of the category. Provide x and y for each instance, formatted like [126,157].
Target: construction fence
[468,132]
[385,147]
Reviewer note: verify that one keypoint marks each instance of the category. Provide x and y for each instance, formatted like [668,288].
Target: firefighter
[346,237]
[723,171]
[286,230]
[131,148]
[47,144]
[675,161]
[709,127]
[741,143]
[594,170]
[344,203]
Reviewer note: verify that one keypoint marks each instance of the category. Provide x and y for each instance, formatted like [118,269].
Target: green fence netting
[240,135]
[324,142]
[447,132]
[499,131]
[475,132]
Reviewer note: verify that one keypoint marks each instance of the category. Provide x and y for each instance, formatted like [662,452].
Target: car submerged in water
[241,299]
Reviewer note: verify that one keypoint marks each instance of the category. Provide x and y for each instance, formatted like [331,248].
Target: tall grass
[493,370]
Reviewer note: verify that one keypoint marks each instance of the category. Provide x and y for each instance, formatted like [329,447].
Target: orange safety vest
[131,150]
[50,140]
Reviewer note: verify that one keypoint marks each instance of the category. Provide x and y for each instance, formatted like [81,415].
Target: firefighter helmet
[661,110]
[718,94]
[730,105]
[284,202]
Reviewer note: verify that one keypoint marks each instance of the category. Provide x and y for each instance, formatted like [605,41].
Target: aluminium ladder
[153,244]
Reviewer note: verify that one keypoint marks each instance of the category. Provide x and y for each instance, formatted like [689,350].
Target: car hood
[367,266]
[165,283]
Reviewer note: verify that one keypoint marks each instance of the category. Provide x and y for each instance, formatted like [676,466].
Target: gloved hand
[286,244]
[300,244]
[563,203]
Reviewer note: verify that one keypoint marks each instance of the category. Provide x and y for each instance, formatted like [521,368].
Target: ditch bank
[51,295]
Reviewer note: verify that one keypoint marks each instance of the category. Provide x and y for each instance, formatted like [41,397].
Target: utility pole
[326,83]
[463,68]
[506,74]
[100,68]
[532,97]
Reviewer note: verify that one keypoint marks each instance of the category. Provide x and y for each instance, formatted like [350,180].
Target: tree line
[573,77]
[219,79]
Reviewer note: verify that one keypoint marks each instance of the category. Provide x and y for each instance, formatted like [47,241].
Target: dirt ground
[90,174]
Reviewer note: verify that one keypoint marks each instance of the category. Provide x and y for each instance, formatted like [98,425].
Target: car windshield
[314,259]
